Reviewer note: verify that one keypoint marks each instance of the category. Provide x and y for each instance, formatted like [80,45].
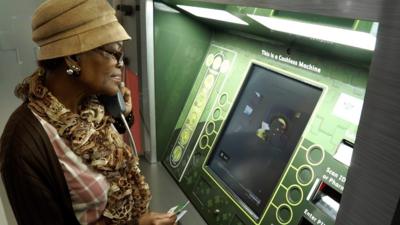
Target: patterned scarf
[91,136]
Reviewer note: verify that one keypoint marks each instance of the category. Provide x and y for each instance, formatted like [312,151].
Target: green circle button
[210,127]
[223,99]
[200,100]
[185,136]
[284,214]
[304,175]
[203,141]
[216,114]
[315,155]
[176,154]
[192,118]
[216,64]
[294,195]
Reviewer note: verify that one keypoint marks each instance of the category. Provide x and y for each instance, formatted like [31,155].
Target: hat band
[84,41]
[106,19]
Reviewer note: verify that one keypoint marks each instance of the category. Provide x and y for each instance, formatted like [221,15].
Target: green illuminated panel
[311,163]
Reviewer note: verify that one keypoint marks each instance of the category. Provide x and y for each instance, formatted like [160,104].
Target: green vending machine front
[266,133]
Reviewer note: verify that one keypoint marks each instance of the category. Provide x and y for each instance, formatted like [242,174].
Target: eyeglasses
[119,56]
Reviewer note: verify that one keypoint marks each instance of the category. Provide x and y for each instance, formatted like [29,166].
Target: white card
[180,215]
[179,210]
[348,108]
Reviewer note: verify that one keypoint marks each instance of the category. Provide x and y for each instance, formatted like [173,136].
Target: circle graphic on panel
[223,99]
[184,136]
[176,155]
[192,119]
[216,64]
[315,155]
[305,175]
[204,90]
[209,81]
[210,127]
[203,141]
[209,60]
[294,195]
[225,66]
[284,214]
[216,114]
[200,100]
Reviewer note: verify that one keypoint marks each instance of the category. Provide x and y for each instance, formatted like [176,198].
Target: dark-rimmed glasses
[119,56]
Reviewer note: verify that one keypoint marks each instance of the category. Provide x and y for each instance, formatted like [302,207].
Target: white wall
[17,60]
[8,102]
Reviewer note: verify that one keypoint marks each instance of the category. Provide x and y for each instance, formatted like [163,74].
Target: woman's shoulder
[19,122]
[22,132]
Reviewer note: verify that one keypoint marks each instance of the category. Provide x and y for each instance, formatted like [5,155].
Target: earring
[73,70]
[70,71]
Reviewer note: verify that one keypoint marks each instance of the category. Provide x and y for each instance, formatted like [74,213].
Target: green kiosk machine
[258,109]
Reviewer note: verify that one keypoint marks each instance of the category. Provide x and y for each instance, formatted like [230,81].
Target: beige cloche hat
[68,27]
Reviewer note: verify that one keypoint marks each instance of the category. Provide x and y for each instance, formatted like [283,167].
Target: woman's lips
[116,78]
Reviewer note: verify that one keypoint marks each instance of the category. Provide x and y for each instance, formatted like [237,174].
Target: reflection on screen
[263,130]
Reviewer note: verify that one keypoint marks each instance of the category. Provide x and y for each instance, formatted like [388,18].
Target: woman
[62,160]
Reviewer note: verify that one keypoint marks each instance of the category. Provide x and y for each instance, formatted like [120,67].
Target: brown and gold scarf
[91,136]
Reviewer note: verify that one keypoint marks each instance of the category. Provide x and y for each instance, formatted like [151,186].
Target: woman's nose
[120,63]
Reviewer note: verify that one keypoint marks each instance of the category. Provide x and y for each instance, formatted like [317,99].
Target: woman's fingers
[168,220]
[126,93]
[165,221]
[154,218]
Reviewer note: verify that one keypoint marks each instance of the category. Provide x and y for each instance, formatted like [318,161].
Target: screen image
[260,135]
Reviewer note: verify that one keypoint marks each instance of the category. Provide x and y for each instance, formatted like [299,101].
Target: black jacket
[32,175]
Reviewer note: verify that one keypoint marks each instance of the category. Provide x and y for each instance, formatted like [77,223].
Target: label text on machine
[313,218]
[335,179]
[288,60]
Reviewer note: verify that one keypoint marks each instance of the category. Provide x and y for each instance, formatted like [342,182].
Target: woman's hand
[127,98]
[153,218]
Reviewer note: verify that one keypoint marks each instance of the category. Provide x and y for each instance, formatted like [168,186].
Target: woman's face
[101,69]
